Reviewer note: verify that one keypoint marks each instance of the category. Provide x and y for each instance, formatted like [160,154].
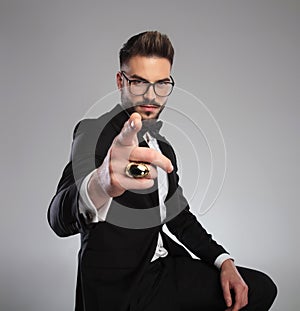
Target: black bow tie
[152,127]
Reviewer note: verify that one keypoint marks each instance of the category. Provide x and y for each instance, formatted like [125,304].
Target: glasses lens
[138,87]
[163,88]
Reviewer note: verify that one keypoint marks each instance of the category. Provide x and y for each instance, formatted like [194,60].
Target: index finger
[227,294]
[128,134]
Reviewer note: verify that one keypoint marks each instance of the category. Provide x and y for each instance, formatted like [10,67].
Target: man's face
[144,69]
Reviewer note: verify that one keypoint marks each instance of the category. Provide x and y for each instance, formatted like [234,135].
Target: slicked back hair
[148,43]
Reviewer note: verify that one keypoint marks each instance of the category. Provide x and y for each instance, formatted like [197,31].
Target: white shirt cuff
[220,259]
[87,207]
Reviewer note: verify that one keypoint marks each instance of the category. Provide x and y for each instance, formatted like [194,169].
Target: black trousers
[186,284]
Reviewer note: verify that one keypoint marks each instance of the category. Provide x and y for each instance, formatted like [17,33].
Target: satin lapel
[172,201]
[167,150]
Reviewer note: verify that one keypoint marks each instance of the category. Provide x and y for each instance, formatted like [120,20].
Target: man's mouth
[149,107]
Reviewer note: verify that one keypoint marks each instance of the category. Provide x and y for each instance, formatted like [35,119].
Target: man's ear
[119,80]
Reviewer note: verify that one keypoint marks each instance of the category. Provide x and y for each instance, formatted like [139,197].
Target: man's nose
[150,94]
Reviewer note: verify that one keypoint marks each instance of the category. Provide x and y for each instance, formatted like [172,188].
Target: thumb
[128,134]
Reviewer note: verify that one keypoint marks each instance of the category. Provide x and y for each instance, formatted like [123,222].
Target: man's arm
[64,216]
[108,180]
[91,213]
[189,231]
[185,225]
[191,234]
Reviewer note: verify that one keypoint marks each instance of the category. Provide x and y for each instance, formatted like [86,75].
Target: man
[121,186]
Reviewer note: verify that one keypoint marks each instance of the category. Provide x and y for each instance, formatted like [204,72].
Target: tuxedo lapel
[172,201]
[167,151]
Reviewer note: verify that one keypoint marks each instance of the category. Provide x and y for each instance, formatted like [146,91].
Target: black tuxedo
[114,256]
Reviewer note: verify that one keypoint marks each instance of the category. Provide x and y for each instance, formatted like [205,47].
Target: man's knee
[269,289]
[262,289]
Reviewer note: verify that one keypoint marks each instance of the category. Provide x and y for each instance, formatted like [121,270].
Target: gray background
[58,57]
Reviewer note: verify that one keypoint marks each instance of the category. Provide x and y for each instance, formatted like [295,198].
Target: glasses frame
[172,82]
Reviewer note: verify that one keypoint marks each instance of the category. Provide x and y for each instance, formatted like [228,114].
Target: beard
[131,107]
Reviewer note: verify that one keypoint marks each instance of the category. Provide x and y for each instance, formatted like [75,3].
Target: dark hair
[148,43]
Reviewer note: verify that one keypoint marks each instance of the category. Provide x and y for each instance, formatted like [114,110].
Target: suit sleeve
[187,228]
[63,213]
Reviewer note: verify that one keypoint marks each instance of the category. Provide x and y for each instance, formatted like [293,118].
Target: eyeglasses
[140,87]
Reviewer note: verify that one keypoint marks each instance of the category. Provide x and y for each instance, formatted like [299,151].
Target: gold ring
[137,170]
